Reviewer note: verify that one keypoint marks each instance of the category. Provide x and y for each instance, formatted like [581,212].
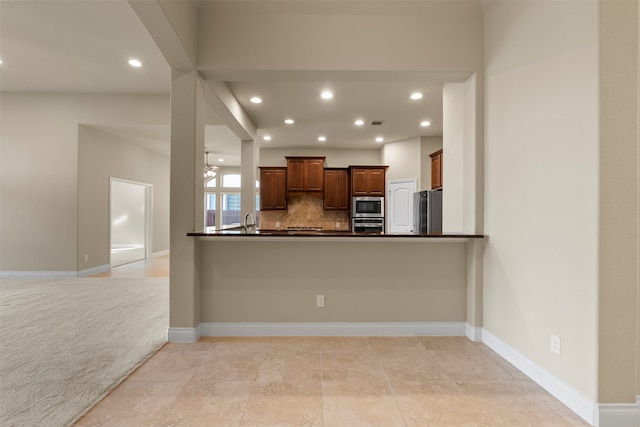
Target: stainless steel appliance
[367,207]
[367,214]
[367,225]
[427,212]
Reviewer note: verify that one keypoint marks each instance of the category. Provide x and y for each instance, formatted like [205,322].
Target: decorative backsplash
[304,211]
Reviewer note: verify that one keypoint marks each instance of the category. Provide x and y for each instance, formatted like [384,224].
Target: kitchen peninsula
[268,283]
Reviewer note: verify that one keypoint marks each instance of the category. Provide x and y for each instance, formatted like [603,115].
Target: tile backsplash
[304,211]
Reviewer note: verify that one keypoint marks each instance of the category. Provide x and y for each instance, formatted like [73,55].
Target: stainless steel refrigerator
[427,212]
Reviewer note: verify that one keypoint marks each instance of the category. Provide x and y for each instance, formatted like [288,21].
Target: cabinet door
[273,189]
[336,190]
[359,182]
[330,187]
[436,170]
[314,174]
[376,182]
[342,191]
[279,190]
[295,174]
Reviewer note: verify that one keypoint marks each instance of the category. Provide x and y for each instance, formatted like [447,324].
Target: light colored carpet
[64,343]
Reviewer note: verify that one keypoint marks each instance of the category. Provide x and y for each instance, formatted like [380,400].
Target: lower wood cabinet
[273,188]
[336,189]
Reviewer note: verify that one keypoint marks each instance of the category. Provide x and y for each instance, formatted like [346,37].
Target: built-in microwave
[367,207]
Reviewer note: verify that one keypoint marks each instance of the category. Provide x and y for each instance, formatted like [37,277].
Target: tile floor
[329,381]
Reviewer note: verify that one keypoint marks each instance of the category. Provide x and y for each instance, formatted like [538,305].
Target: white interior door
[130,218]
[400,205]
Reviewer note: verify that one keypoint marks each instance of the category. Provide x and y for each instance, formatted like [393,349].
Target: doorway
[400,205]
[130,221]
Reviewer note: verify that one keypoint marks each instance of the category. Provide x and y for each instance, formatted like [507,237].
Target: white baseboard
[37,274]
[240,329]
[572,398]
[619,414]
[94,270]
[184,335]
[474,333]
[160,253]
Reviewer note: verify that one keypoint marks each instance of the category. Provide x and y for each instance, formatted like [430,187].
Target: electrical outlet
[320,301]
[555,345]
[86,257]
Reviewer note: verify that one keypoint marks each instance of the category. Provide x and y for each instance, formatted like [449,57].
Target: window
[222,200]
[210,208]
[231,180]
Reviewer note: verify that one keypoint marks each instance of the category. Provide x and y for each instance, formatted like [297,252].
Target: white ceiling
[84,46]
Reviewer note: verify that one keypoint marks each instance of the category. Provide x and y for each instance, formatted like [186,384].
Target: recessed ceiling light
[379,139]
[256,100]
[135,63]
[425,123]
[289,121]
[416,95]
[266,138]
[327,94]
[359,122]
[322,138]
[221,160]
[0,61]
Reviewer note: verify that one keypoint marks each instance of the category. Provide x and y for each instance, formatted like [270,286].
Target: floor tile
[351,367]
[134,403]
[209,403]
[434,403]
[170,366]
[404,345]
[290,367]
[469,366]
[230,367]
[399,367]
[330,381]
[294,344]
[345,345]
[284,404]
[505,403]
[241,345]
[354,404]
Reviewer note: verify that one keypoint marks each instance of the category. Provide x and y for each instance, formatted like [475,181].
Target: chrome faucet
[253,221]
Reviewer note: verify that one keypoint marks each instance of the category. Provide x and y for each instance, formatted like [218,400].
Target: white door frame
[413,181]
[148,221]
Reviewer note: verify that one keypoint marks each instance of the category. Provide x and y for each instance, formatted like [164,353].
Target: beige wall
[403,159]
[39,170]
[101,156]
[618,210]
[541,184]
[343,36]
[335,158]
[361,281]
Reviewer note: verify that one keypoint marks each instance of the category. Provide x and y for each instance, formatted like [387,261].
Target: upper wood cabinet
[273,188]
[368,180]
[336,189]
[305,174]
[436,169]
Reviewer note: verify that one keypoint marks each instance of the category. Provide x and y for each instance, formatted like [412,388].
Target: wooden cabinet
[336,189]
[436,169]
[305,174]
[273,188]
[368,180]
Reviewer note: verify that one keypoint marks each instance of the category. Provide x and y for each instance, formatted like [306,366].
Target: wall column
[248,162]
[187,148]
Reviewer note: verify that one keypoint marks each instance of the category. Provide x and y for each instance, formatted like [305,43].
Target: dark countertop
[239,231]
